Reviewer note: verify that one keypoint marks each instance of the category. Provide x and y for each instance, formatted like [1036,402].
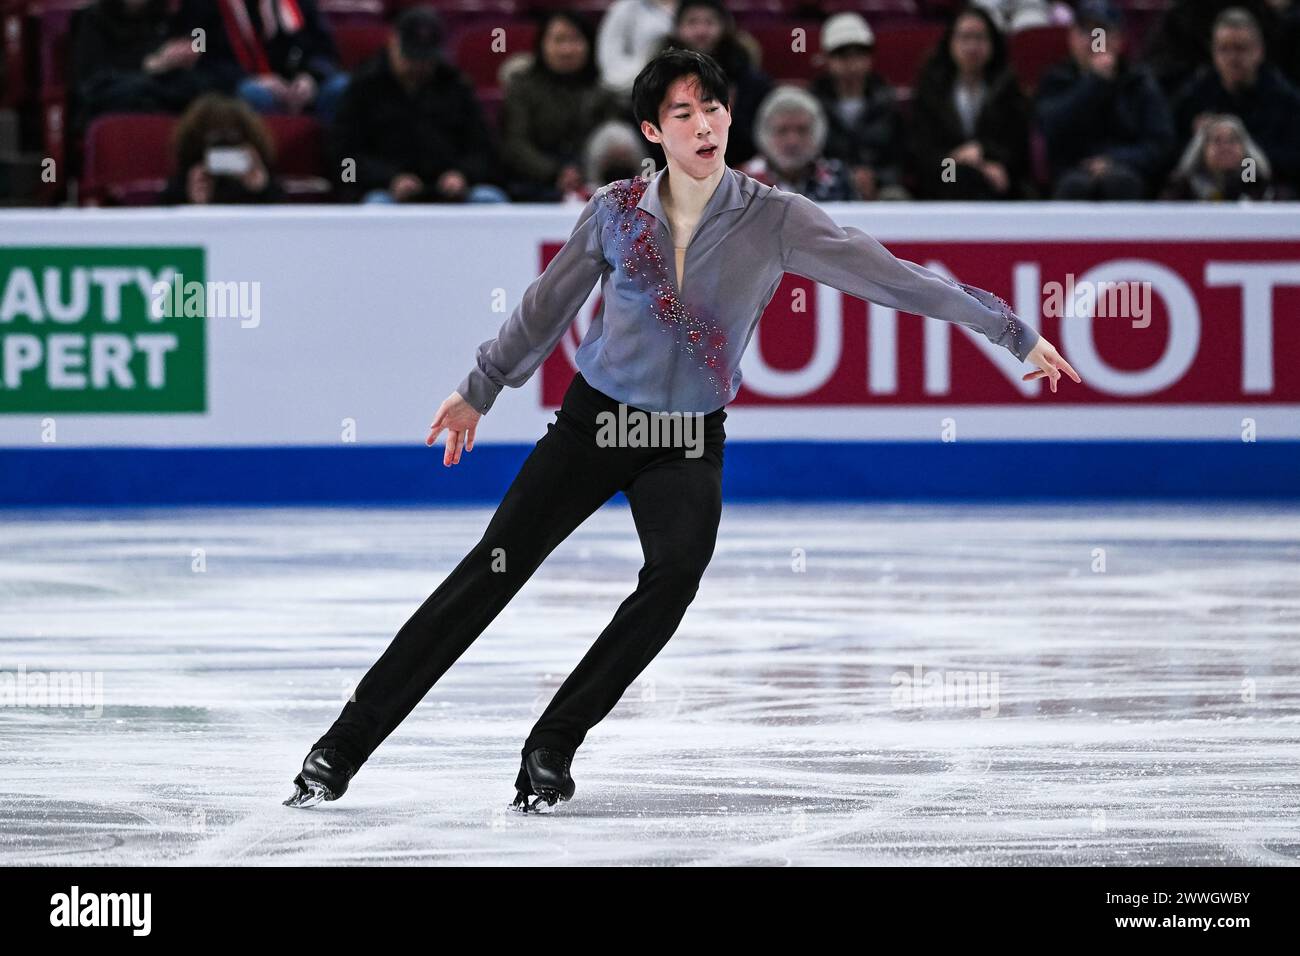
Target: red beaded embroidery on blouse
[634,231]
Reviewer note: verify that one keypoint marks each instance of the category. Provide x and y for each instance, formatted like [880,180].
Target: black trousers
[676,503]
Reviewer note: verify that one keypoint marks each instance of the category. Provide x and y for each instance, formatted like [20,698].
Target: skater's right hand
[461,421]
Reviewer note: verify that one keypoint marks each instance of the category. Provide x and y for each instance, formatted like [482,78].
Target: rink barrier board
[752,471]
[371,316]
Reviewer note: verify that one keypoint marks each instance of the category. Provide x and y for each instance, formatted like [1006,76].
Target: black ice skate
[325,775]
[543,774]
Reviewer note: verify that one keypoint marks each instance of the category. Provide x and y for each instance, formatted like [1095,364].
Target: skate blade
[543,802]
[309,796]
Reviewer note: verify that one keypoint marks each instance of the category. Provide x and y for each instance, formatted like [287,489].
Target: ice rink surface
[1135,674]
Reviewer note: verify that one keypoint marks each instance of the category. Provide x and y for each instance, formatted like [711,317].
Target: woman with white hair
[1221,164]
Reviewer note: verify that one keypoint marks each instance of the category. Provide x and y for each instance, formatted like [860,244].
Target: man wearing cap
[864,126]
[1108,128]
[410,128]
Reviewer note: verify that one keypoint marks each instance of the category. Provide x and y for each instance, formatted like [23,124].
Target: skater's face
[687,124]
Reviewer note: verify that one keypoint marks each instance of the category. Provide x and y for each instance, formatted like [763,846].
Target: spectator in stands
[1221,163]
[410,128]
[276,55]
[970,122]
[1240,83]
[864,124]
[550,109]
[708,27]
[615,151]
[1109,130]
[791,132]
[223,153]
[1180,42]
[121,61]
[630,32]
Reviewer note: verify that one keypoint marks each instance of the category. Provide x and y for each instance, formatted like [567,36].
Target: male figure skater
[668,339]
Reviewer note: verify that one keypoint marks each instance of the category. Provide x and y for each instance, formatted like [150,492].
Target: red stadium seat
[755,8]
[299,144]
[901,50]
[872,10]
[457,11]
[593,9]
[54,22]
[357,42]
[780,60]
[300,157]
[128,158]
[473,49]
[1033,50]
[13,82]
[352,11]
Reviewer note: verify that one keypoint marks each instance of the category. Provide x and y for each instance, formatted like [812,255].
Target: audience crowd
[1209,110]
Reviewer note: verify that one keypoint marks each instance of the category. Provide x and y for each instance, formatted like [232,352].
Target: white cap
[844,29]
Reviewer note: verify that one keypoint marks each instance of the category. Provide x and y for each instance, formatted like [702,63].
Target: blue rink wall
[753,471]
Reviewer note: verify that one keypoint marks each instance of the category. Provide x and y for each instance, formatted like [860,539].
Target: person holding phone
[224,154]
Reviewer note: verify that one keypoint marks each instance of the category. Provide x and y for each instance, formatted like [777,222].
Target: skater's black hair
[664,69]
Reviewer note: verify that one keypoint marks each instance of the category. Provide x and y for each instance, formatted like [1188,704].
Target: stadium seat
[592,9]
[1033,50]
[780,61]
[473,53]
[357,42]
[128,159]
[352,11]
[13,82]
[872,10]
[54,21]
[901,50]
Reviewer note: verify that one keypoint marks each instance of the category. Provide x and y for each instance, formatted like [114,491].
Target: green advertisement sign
[87,330]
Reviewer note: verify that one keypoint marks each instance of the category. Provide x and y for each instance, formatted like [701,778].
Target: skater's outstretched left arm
[843,257]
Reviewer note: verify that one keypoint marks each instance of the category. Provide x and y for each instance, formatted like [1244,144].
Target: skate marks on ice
[1146,706]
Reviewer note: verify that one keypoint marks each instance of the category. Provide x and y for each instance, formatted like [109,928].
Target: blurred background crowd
[137,102]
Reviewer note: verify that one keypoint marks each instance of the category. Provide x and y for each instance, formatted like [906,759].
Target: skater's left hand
[1049,363]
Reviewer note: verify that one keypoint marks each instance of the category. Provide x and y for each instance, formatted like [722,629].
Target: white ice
[1147,708]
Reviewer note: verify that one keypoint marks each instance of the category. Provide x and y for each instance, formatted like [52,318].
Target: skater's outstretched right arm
[547,308]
